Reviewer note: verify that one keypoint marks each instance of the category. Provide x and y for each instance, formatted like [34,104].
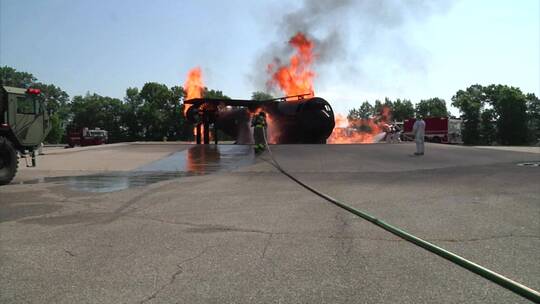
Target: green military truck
[24,124]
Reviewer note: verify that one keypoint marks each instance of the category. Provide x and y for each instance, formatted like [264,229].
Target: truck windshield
[26,105]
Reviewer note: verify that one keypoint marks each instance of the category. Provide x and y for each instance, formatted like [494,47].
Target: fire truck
[87,137]
[438,130]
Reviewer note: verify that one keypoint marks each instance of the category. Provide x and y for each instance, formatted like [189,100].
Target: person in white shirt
[419,130]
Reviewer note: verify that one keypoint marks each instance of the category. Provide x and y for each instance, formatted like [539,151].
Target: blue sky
[106,46]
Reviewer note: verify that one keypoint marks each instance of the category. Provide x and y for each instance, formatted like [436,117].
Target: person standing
[259,127]
[397,133]
[419,130]
[390,134]
[387,129]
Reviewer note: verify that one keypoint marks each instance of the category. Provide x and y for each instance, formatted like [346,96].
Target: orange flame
[297,77]
[273,130]
[359,131]
[194,86]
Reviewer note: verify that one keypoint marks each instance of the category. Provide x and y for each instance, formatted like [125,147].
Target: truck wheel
[8,161]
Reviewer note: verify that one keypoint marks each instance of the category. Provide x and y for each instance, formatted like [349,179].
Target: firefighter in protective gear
[419,130]
[259,127]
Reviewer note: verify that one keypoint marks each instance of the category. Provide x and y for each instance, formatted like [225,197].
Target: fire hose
[486,273]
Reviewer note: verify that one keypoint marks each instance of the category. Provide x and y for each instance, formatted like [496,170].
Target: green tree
[358,116]
[131,117]
[433,107]
[366,110]
[510,106]
[57,104]
[214,94]
[353,114]
[470,103]
[11,77]
[155,112]
[387,109]
[363,112]
[57,100]
[488,130]
[261,96]
[95,111]
[180,129]
[57,132]
[157,105]
[533,113]
[402,110]
[388,103]
[378,108]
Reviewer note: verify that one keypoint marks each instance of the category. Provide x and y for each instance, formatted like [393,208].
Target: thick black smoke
[346,31]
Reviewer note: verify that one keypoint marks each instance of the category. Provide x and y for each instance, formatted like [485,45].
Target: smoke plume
[348,33]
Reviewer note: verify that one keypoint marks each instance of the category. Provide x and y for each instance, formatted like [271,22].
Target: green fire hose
[494,277]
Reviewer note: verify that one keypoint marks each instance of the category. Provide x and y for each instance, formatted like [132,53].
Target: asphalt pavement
[176,223]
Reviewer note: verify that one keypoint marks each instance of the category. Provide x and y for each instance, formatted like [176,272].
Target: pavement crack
[344,242]
[266,245]
[69,252]
[178,271]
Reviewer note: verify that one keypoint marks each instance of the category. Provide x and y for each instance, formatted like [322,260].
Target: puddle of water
[109,182]
[204,159]
[197,160]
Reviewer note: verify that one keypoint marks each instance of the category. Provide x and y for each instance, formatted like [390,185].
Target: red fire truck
[86,137]
[438,129]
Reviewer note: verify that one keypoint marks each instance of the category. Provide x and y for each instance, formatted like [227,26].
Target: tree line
[498,114]
[150,113]
[400,109]
[495,114]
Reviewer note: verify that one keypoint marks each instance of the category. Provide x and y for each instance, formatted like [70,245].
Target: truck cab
[24,124]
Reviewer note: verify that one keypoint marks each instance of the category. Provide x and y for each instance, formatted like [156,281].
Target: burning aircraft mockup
[300,117]
[290,121]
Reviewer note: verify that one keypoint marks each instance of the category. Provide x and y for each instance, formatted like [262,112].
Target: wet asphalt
[197,160]
[219,225]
